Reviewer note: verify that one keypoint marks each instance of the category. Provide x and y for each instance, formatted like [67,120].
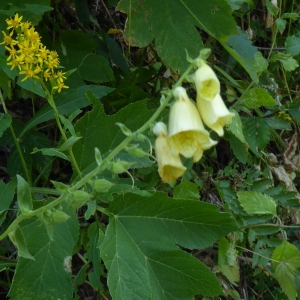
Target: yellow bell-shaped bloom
[214,114]
[207,82]
[169,165]
[187,134]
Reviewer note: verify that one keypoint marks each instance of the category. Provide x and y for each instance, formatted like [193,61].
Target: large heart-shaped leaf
[141,247]
[173,26]
[48,275]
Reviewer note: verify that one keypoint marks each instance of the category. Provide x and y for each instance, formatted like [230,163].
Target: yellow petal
[186,130]
[169,165]
[214,114]
[207,83]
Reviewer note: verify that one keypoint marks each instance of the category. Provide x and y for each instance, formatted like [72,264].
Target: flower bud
[136,152]
[102,185]
[169,165]
[186,131]
[59,216]
[214,114]
[120,166]
[207,83]
[78,199]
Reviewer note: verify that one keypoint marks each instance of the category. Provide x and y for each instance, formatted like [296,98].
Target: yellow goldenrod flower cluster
[29,55]
[187,135]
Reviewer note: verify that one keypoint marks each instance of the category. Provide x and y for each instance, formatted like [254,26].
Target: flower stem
[16,142]
[63,134]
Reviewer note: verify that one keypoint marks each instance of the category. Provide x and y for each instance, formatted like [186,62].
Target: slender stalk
[286,84]
[56,114]
[16,141]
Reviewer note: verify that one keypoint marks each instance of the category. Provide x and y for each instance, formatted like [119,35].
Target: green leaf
[141,253]
[42,164]
[288,63]
[14,164]
[7,192]
[96,68]
[31,85]
[82,11]
[261,64]
[116,54]
[271,8]
[226,253]
[232,273]
[257,203]
[68,143]
[236,126]
[281,24]
[49,275]
[7,69]
[287,253]
[239,149]
[31,12]
[241,49]
[66,102]
[52,152]
[93,255]
[257,133]
[99,130]
[24,195]
[147,21]
[292,45]
[18,240]
[285,274]
[76,46]
[257,97]
[5,120]
[287,261]
[186,189]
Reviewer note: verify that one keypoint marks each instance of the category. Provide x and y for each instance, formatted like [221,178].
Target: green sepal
[102,185]
[120,166]
[59,216]
[17,238]
[136,152]
[60,186]
[78,199]
[98,156]
[124,129]
[24,196]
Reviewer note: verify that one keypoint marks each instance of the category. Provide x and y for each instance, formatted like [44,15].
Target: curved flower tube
[169,165]
[214,114]
[207,82]
[187,134]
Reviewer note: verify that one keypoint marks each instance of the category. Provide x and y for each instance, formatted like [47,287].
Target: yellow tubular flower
[14,23]
[187,134]
[60,86]
[12,52]
[60,76]
[169,165]
[214,114]
[27,53]
[16,62]
[207,83]
[29,72]
[8,40]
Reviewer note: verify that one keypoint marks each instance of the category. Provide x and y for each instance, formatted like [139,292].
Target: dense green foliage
[86,211]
